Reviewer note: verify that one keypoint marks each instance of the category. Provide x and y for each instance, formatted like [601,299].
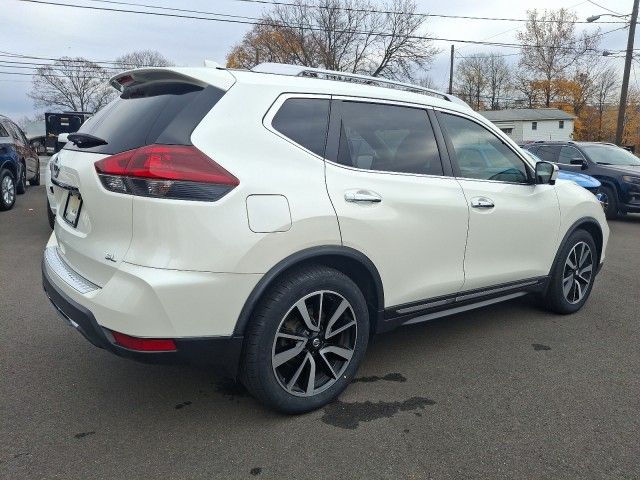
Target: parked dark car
[616,168]
[19,163]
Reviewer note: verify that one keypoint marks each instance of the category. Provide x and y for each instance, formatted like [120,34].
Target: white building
[531,124]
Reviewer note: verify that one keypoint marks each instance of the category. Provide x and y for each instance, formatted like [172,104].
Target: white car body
[49,185]
[177,269]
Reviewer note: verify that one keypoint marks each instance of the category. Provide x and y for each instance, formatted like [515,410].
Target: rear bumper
[221,352]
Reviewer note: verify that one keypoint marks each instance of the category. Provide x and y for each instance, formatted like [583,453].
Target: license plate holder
[72,208]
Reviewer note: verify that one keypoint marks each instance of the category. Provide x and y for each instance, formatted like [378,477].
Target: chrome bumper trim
[57,265]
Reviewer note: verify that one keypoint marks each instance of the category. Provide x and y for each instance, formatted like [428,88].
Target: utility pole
[451,66]
[627,71]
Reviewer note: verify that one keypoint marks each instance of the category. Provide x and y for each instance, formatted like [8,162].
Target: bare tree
[71,84]
[523,85]
[498,77]
[142,58]
[346,35]
[471,79]
[606,84]
[551,46]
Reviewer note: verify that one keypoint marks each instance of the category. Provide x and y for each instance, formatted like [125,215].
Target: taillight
[165,171]
[144,344]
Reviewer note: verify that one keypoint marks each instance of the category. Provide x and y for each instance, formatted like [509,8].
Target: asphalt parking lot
[507,392]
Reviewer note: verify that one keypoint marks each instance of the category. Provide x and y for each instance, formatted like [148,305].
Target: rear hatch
[155,107]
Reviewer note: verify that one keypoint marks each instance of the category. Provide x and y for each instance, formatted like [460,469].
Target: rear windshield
[165,113]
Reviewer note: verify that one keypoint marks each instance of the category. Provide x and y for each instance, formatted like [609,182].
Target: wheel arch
[351,262]
[9,165]
[588,224]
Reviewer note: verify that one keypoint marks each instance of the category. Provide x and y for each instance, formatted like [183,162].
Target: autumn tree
[355,36]
[551,47]
[75,84]
[142,58]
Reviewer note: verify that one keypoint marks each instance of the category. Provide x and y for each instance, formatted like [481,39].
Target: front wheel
[306,340]
[611,203]
[7,190]
[572,277]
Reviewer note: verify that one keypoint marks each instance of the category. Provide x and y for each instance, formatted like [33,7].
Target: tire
[7,189]
[278,330]
[611,207]
[21,186]
[50,215]
[578,280]
[35,181]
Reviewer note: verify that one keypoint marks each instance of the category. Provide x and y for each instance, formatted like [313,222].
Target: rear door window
[164,113]
[388,138]
[305,121]
[550,153]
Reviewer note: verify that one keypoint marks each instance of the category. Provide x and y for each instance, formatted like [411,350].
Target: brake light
[165,171]
[144,344]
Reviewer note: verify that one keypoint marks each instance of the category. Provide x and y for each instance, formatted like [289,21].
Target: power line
[389,12]
[605,8]
[311,27]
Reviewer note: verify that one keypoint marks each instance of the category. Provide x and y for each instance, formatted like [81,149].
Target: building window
[534,125]
[561,124]
[508,131]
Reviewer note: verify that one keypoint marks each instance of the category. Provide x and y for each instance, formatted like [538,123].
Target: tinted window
[480,154]
[569,153]
[388,138]
[549,153]
[163,113]
[305,121]
[3,132]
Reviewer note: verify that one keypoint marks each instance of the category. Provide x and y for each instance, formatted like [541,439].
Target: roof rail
[302,71]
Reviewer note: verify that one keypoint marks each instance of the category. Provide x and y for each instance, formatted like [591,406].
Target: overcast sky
[54,31]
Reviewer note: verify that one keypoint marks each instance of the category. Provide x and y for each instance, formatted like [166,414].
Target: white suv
[270,221]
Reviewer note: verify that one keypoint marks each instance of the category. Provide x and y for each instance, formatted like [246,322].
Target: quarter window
[481,155]
[305,121]
[388,138]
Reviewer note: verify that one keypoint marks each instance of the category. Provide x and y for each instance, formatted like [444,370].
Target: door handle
[362,196]
[482,202]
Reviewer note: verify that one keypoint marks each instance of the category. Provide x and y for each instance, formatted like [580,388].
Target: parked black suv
[19,163]
[616,168]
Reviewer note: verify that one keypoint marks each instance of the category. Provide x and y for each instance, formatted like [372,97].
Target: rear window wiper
[84,140]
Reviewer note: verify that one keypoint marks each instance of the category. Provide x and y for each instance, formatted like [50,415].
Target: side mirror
[546,173]
[580,161]
[63,138]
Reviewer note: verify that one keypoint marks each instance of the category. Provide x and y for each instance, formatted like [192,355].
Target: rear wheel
[611,203]
[21,187]
[306,340]
[35,181]
[7,189]
[572,277]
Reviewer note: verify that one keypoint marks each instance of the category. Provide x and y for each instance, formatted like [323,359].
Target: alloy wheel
[8,190]
[577,273]
[314,343]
